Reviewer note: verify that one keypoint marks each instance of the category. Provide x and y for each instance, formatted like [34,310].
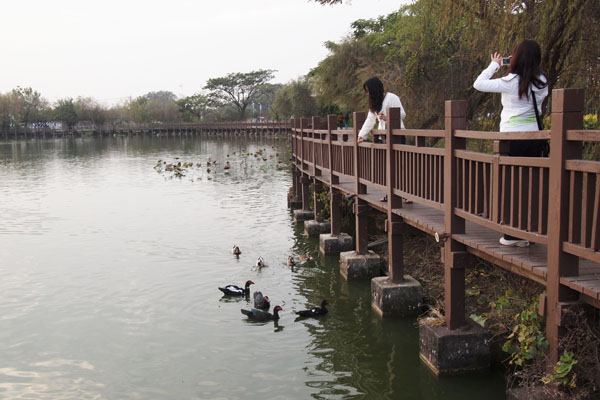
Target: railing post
[317,123]
[394,222]
[567,113]
[454,269]
[304,180]
[361,207]
[335,196]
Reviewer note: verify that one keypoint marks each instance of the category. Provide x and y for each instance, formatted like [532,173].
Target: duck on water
[260,315]
[234,290]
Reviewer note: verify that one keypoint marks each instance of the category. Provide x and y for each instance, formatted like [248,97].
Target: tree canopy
[432,50]
[239,89]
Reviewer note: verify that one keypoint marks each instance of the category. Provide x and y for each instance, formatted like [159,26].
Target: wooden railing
[550,200]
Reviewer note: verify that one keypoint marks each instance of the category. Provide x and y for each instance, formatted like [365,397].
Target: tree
[194,106]
[153,107]
[295,100]
[64,111]
[28,105]
[239,89]
[89,110]
[432,50]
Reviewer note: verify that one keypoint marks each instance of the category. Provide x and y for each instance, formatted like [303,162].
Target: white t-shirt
[517,114]
[389,101]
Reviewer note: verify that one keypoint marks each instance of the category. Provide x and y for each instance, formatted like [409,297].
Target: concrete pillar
[360,266]
[452,352]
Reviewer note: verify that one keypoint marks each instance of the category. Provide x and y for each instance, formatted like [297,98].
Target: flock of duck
[263,303]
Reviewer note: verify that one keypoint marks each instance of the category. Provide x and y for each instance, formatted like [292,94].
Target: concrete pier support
[303,215]
[360,266]
[396,299]
[314,228]
[334,244]
[454,352]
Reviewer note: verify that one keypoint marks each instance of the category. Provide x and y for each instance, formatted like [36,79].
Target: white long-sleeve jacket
[389,101]
[517,114]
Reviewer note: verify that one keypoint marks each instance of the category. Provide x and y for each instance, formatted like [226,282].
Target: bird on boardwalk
[261,302]
[260,262]
[236,250]
[291,262]
[234,290]
[315,311]
[259,315]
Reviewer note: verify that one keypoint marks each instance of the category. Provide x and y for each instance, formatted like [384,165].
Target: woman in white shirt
[524,78]
[379,102]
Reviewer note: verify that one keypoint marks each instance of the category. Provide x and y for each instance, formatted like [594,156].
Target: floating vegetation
[234,164]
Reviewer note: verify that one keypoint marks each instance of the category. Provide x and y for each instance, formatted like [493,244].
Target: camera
[505,60]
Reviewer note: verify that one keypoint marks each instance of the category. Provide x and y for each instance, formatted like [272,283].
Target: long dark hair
[525,62]
[374,87]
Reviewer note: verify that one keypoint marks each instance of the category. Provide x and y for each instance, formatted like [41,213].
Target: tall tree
[28,105]
[239,89]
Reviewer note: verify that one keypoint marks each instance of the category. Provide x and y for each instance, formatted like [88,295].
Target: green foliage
[479,319]
[563,371]
[27,105]
[323,198]
[294,100]
[590,121]
[527,340]
[65,112]
[193,107]
[431,51]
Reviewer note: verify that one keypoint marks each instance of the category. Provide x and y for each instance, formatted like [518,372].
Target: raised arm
[485,83]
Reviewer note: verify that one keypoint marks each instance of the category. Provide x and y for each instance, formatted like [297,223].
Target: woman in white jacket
[525,80]
[379,102]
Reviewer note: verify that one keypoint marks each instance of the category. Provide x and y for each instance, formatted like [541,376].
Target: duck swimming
[261,302]
[260,262]
[236,250]
[315,311]
[259,315]
[234,290]
[227,165]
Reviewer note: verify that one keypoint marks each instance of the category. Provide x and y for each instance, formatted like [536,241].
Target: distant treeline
[236,96]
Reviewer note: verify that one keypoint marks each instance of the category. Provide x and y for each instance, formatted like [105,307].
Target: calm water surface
[109,273]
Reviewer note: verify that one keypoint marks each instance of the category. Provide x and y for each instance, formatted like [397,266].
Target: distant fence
[248,129]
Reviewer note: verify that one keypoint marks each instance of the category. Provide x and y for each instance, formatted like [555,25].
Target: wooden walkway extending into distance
[243,129]
[469,199]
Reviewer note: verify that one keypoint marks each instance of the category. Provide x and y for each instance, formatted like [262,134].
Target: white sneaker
[514,243]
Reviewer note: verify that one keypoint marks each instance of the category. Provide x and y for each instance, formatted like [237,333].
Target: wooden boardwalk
[469,199]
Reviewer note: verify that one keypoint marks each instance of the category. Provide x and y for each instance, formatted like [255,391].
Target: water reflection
[110,273]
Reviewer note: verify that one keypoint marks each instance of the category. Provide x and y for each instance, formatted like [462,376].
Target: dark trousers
[527,148]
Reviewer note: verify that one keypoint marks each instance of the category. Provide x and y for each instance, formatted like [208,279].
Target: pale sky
[113,49]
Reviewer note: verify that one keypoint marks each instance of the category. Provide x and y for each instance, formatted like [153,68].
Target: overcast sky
[113,49]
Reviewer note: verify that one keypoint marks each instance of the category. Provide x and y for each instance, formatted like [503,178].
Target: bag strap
[537,114]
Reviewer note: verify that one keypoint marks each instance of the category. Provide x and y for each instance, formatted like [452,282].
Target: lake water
[109,272]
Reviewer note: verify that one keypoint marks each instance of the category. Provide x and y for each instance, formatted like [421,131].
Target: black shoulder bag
[544,146]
